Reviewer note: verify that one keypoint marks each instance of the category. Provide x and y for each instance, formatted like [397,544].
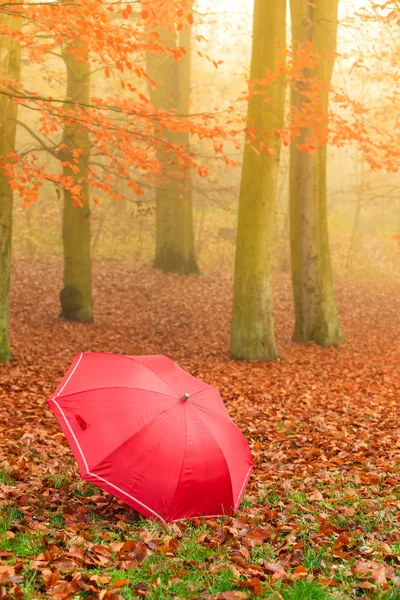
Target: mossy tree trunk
[76,295]
[252,335]
[175,250]
[10,66]
[314,299]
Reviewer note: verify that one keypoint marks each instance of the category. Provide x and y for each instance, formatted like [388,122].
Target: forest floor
[321,514]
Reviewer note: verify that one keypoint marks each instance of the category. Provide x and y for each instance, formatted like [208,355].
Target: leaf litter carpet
[324,501]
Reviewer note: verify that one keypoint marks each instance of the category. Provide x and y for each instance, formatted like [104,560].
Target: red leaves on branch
[126,131]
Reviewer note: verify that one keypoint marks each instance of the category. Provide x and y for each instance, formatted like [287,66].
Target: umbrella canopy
[148,432]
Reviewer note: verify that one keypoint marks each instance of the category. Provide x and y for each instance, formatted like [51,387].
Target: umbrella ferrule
[185,396]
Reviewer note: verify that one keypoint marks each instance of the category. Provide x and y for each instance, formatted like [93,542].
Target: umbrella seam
[154,373]
[73,371]
[246,479]
[98,476]
[220,449]
[214,516]
[128,495]
[214,412]
[183,462]
[230,420]
[119,387]
[72,433]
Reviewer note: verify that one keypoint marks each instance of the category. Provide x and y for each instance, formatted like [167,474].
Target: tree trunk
[76,296]
[314,299]
[252,334]
[175,250]
[10,65]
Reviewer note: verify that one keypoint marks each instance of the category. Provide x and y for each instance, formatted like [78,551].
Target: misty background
[363,205]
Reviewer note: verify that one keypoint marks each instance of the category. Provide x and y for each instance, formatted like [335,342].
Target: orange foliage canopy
[371,122]
[125,129]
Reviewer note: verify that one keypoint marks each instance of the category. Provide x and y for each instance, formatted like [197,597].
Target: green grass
[5,477]
[84,489]
[263,552]
[246,503]
[23,544]
[392,594]
[190,549]
[57,520]
[9,514]
[305,590]
[189,574]
[200,567]
[59,481]
[314,558]
[270,498]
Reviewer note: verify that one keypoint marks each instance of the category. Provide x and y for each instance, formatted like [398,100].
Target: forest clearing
[322,506]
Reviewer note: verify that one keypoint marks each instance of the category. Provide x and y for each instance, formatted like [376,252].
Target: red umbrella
[148,432]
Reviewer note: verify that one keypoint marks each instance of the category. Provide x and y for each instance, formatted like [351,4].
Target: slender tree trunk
[314,299]
[76,296]
[185,72]
[175,250]
[10,65]
[252,334]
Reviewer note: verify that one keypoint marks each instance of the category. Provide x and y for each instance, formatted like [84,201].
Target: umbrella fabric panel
[234,446]
[165,369]
[204,486]
[93,370]
[70,434]
[191,383]
[103,419]
[147,468]
[210,400]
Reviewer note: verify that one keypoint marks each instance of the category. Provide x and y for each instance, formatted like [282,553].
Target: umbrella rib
[153,372]
[72,433]
[127,494]
[183,464]
[246,479]
[117,387]
[193,406]
[218,446]
[74,369]
[214,412]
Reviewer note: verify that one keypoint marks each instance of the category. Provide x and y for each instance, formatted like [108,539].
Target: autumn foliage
[126,130]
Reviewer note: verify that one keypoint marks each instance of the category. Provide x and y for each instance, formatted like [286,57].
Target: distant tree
[10,66]
[175,251]
[252,336]
[76,295]
[314,33]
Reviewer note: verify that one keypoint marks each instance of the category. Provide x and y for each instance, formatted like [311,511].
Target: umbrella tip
[185,396]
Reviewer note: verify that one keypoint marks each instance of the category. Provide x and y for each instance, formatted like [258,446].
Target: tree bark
[76,295]
[314,300]
[10,66]
[252,333]
[175,251]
